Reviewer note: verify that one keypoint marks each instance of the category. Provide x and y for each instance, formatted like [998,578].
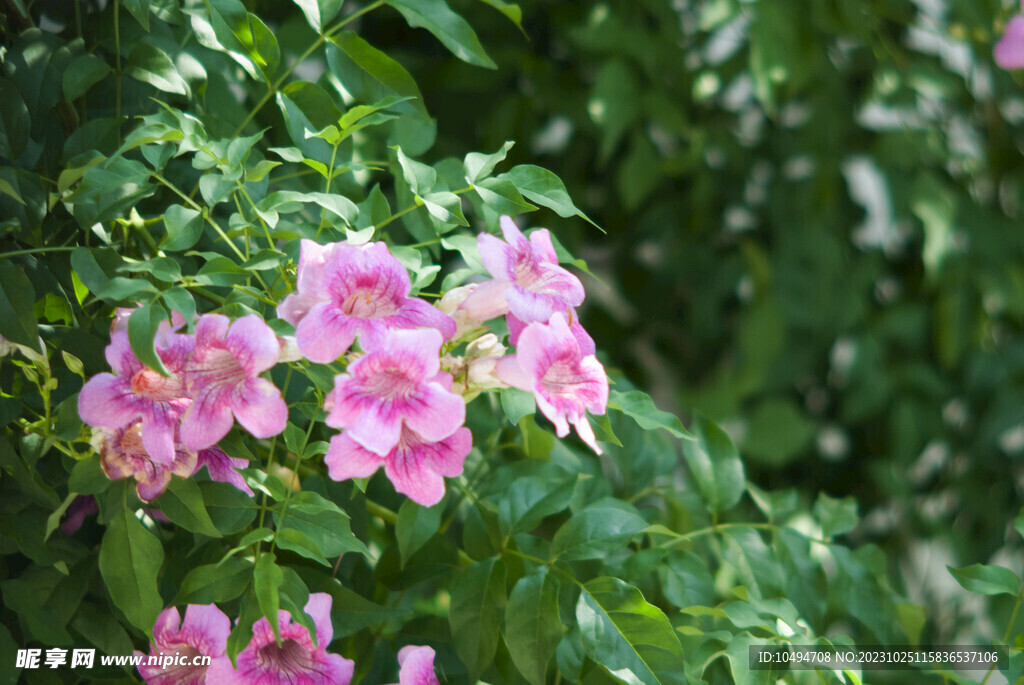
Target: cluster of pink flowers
[149,426]
[1009,51]
[296,659]
[396,403]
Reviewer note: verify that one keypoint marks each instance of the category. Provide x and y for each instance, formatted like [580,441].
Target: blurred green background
[812,212]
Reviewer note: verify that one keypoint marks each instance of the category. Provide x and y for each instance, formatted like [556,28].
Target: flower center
[563,377]
[148,383]
[219,367]
[290,659]
[390,382]
[368,304]
[185,673]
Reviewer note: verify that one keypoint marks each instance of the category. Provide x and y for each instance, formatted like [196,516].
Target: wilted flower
[123,455]
[222,375]
[415,466]
[399,382]
[565,382]
[1009,51]
[417,666]
[296,661]
[139,392]
[362,291]
[203,633]
[528,280]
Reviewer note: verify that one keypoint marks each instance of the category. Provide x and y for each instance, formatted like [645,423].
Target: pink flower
[1009,51]
[221,468]
[398,383]
[587,347]
[415,466]
[204,633]
[139,392]
[527,278]
[297,661]
[417,665]
[358,291]
[222,374]
[565,382]
[123,455]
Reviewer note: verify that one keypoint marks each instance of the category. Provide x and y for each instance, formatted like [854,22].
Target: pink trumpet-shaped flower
[416,467]
[417,666]
[296,661]
[359,291]
[587,347]
[398,383]
[528,280]
[139,392]
[222,374]
[123,455]
[565,382]
[203,633]
[1009,51]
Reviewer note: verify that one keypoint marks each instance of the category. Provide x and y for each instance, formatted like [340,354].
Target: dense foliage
[810,250]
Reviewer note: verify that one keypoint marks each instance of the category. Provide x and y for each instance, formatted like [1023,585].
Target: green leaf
[83,73]
[215,583]
[987,580]
[631,638]
[478,597]
[300,543]
[445,207]
[87,477]
[230,509]
[544,188]
[182,503]
[8,190]
[267,578]
[502,196]
[1018,523]
[151,65]
[509,9]
[17,298]
[351,612]
[447,26]
[837,516]
[640,407]
[320,520]
[756,565]
[142,329]
[479,165]
[420,177]
[686,580]
[416,525]
[532,626]
[715,465]
[319,12]
[528,500]
[220,31]
[130,559]
[140,10]
[372,75]
[596,531]
[122,289]
[262,46]
[15,121]
[516,404]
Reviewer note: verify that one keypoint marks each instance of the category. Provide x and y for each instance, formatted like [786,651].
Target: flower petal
[206,628]
[325,333]
[253,343]
[436,413]
[207,421]
[345,458]
[1009,51]
[107,400]
[260,408]
[319,609]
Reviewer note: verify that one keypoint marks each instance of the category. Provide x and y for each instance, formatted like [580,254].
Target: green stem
[719,527]
[34,250]
[414,207]
[1006,635]
[117,59]
[327,190]
[381,512]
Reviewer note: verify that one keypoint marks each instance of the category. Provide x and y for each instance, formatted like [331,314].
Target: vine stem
[1006,635]
[718,527]
[34,250]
